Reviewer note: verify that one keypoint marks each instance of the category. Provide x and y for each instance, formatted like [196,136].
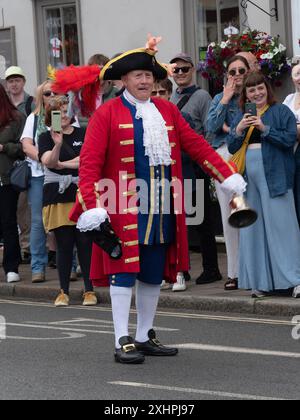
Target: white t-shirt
[36,167]
[290,103]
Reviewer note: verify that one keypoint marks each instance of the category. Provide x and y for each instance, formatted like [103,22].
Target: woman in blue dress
[270,249]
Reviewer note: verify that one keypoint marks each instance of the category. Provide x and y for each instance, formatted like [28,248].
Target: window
[62,36]
[59,34]
[7,49]
[216,20]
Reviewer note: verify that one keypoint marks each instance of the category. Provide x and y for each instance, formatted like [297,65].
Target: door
[207,21]
[216,20]
[59,34]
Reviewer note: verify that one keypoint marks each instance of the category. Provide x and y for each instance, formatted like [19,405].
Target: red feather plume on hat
[84,82]
[75,78]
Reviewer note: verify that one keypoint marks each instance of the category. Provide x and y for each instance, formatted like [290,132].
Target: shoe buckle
[128,347]
[156,342]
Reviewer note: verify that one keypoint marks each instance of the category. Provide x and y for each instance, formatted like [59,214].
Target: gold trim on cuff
[214,170]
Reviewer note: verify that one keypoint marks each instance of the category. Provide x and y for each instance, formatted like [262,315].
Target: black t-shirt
[255,137]
[72,144]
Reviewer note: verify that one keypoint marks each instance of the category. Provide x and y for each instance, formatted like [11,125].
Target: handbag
[239,158]
[20,176]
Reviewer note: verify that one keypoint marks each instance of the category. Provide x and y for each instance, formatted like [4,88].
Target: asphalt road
[68,354]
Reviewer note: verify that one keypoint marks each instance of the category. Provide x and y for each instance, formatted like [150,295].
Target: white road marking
[45,327]
[77,326]
[81,322]
[70,336]
[205,392]
[239,350]
[163,314]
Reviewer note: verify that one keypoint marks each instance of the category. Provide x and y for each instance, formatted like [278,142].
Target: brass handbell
[242,215]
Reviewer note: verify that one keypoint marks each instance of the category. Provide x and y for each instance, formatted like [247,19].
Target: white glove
[92,219]
[234,185]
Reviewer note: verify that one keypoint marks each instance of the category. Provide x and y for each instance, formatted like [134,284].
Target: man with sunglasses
[199,100]
[196,102]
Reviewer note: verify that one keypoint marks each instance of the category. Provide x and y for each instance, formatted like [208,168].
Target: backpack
[28,106]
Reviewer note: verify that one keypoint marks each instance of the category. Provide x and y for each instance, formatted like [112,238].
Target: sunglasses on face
[184,70]
[48,94]
[159,92]
[240,71]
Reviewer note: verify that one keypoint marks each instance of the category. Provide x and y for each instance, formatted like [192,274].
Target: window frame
[189,10]
[42,36]
[11,32]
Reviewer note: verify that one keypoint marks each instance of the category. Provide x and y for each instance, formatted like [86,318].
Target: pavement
[207,298]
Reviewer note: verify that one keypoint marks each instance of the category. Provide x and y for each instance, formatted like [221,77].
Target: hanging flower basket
[270,53]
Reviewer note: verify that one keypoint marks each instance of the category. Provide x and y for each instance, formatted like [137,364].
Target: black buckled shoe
[154,348]
[128,353]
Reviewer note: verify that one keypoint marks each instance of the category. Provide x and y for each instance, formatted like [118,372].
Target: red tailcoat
[108,153]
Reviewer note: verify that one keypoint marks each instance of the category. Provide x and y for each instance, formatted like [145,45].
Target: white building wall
[119,25]
[107,27]
[257,19]
[19,13]
[296,27]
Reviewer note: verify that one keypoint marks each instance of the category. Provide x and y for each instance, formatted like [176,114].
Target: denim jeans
[297,183]
[39,255]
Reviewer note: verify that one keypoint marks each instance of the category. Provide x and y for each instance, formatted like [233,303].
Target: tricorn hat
[140,59]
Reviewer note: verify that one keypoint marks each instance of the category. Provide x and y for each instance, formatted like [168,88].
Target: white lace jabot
[156,139]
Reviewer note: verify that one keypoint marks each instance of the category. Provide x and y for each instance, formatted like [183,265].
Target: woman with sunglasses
[163,89]
[223,111]
[59,152]
[35,126]
[270,249]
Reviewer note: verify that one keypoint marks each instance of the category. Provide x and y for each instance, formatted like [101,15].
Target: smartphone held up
[56,121]
[251,109]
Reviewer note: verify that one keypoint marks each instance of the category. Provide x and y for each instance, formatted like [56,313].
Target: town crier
[135,141]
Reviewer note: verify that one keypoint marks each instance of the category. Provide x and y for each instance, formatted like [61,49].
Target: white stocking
[147,296]
[121,303]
